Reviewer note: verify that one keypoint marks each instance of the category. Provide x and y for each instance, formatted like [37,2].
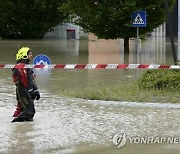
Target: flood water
[65,125]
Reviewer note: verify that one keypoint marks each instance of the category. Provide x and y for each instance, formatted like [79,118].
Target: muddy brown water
[69,125]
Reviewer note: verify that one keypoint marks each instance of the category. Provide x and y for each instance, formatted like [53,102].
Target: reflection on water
[66,125]
[105,52]
[154,50]
[59,51]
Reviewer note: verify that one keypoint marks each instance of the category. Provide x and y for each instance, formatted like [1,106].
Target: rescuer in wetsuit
[26,88]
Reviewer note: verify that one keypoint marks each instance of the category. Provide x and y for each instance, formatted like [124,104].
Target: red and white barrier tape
[92,66]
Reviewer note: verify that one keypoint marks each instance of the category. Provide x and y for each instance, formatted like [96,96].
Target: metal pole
[138,45]
[170,30]
[178,19]
[178,30]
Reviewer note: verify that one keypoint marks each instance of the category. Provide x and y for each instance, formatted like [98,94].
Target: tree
[29,19]
[111,19]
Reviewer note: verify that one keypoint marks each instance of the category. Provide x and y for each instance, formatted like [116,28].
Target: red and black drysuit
[26,92]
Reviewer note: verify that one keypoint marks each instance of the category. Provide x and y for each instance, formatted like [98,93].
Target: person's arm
[36,91]
[32,84]
[15,76]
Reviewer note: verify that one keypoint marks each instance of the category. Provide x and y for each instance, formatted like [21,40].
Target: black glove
[37,95]
[32,94]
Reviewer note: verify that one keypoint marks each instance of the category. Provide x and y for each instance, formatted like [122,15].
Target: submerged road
[66,125]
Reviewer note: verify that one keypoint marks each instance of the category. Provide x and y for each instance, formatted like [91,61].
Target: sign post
[139,20]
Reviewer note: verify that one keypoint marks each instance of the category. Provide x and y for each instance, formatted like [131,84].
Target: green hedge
[161,79]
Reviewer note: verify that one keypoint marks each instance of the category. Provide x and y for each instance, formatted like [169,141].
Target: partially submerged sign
[42,60]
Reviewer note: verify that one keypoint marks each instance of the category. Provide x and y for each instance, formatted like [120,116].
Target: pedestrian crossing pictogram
[138,20]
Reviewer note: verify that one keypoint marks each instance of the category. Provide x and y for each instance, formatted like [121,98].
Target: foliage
[162,85]
[26,19]
[128,91]
[161,80]
[111,19]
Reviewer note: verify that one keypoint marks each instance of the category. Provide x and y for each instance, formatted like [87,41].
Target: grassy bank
[124,92]
[153,86]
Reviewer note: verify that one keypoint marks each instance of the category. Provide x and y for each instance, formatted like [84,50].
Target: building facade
[66,31]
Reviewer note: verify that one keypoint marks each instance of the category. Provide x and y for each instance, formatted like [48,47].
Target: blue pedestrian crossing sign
[139,19]
[42,60]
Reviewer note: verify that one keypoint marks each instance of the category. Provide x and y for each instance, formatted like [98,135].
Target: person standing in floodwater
[26,88]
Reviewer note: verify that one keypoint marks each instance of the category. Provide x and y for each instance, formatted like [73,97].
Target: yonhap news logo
[121,139]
